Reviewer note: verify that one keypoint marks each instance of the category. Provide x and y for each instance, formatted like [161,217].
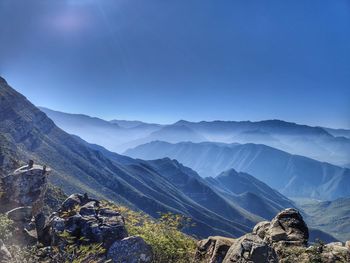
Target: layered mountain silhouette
[249,193]
[151,186]
[323,144]
[292,175]
[112,135]
[78,168]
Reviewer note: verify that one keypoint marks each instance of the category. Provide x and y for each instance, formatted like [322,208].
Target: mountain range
[323,144]
[292,175]
[153,187]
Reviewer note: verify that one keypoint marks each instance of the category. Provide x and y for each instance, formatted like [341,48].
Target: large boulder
[264,244]
[130,250]
[24,187]
[251,248]
[213,249]
[287,227]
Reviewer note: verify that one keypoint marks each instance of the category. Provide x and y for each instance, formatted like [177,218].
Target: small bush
[6,228]
[164,235]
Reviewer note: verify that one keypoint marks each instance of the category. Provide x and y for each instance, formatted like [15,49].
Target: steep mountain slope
[213,193]
[250,193]
[31,134]
[292,175]
[330,216]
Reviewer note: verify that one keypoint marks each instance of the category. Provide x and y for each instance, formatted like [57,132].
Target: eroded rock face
[262,245]
[131,250]
[251,248]
[288,227]
[261,228]
[213,249]
[24,187]
[84,219]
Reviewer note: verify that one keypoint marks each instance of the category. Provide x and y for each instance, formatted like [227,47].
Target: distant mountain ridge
[323,144]
[292,175]
[156,186]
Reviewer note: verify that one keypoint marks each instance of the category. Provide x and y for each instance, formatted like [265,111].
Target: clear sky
[164,60]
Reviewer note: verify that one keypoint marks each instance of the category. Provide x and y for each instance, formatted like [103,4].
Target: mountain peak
[229,172]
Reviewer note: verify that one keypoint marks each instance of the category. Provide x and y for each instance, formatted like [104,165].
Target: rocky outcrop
[262,245]
[24,187]
[287,227]
[213,249]
[85,220]
[22,198]
[80,220]
[131,250]
[251,248]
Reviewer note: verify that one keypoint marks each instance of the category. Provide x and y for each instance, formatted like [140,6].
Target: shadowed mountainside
[292,175]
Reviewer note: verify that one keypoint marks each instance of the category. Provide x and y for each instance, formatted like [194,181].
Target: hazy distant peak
[133,123]
[229,172]
[182,123]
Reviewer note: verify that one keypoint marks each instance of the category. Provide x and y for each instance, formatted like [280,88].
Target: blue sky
[163,60]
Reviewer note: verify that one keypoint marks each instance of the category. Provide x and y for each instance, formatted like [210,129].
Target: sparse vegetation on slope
[169,244]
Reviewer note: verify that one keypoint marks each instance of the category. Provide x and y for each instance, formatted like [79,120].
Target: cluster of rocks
[81,218]
[89,222]
[267,244]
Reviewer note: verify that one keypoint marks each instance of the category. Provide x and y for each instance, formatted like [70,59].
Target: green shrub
[6,228]
[169,244]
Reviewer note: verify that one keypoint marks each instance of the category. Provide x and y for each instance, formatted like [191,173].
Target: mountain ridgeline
[153,187]
[292,175]
[225,189]
[322,144]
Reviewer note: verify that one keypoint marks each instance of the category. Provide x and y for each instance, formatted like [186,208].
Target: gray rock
[213,249]
[261,228]
[26,186]
[20,214]
[5,255]
[130,250]
[88,222]
[71,202]
[251,248]
[288,227]
[89,209]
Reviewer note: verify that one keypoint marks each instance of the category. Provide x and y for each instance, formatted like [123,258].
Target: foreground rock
[80,222]
[22,198]
[84,219]
[131,249]
[213,249]
[287,227]
[283,240]
[24,187]
[251,248]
